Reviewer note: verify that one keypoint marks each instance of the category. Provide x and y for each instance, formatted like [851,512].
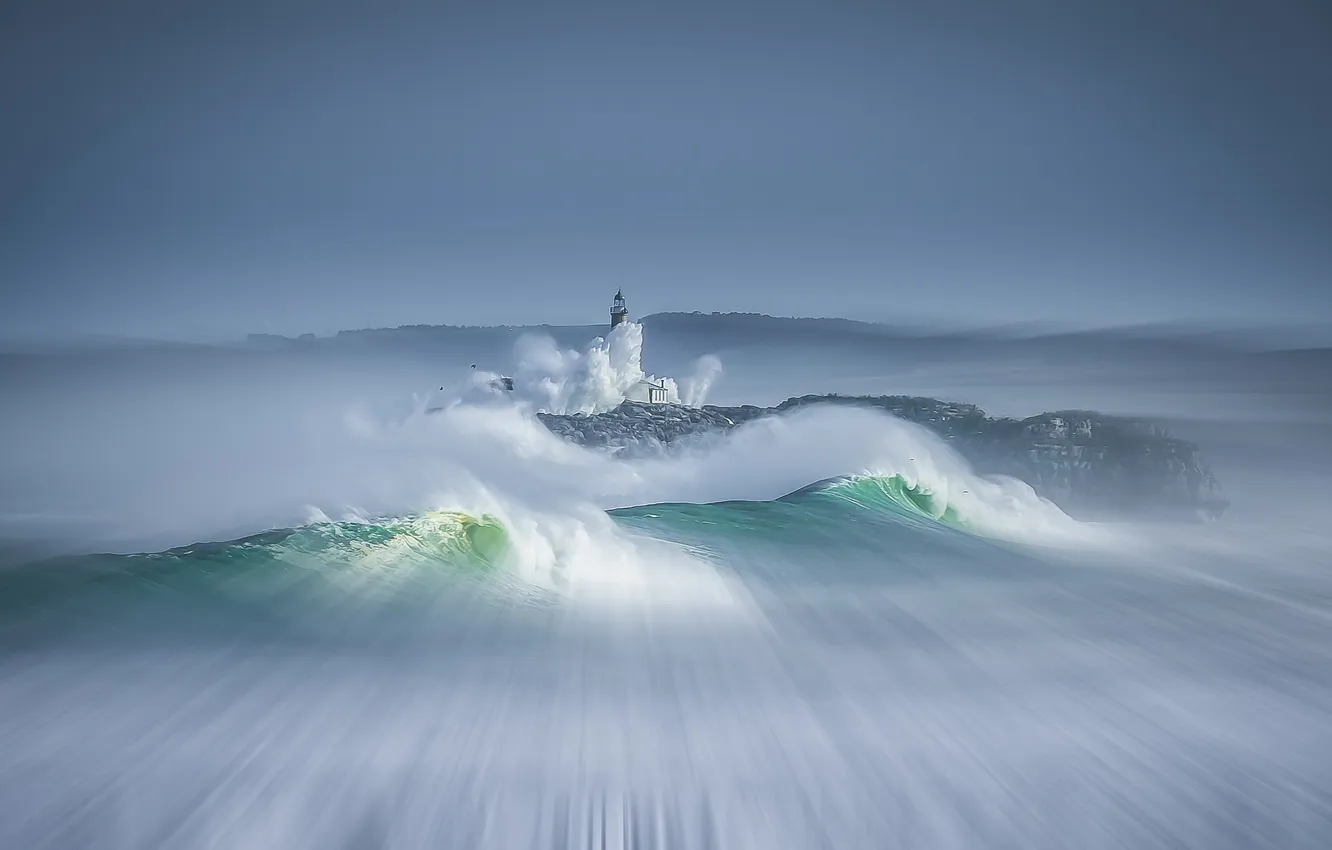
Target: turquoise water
[830,512]
[394,560]
[881,674]
[407,582]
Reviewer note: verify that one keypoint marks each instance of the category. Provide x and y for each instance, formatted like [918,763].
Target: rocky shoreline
[1084,461]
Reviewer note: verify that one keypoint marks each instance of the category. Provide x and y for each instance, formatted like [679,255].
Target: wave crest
[608,372]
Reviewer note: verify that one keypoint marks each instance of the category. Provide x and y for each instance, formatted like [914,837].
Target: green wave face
[893,492]
[408,563]
[869,513]
[451,537]
[366,561]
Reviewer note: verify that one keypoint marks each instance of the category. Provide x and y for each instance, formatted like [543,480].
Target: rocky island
[1086,462]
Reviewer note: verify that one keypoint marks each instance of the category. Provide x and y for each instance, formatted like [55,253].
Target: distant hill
[710,322]
[667,333]
[745,328]
[415,332]
[743,322]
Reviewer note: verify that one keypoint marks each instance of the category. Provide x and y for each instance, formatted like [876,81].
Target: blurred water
[1170,690]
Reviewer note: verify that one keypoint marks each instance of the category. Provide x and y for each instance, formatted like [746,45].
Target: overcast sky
[210,169]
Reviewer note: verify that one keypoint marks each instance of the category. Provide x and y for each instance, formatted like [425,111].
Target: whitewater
[279,619]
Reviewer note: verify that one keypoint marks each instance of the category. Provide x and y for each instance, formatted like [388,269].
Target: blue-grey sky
[174,168]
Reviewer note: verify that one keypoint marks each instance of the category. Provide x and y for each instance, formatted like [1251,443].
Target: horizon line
[1031,329]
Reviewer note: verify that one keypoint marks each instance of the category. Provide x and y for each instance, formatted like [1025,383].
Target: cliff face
[1081,460]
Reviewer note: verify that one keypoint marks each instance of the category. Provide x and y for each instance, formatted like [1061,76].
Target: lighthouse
[619,312]
[649,390]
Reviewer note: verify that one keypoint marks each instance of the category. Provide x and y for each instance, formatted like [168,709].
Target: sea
[336,595]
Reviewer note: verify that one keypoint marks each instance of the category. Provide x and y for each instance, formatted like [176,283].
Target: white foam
[608,372]
[170,478]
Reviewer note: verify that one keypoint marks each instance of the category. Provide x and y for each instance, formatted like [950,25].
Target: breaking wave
[460,629]
[481,484]
[609,372]
[488,495]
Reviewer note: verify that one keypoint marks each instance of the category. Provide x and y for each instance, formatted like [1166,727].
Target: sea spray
[695,388]
[556,380]
[906,680]
[608,372]
[493,458]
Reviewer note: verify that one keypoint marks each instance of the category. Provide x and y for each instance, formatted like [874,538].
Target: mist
[645,645]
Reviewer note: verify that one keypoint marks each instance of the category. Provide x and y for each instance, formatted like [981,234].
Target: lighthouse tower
[619,312]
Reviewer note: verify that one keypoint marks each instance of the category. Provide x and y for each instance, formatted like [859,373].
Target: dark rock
[1082,460]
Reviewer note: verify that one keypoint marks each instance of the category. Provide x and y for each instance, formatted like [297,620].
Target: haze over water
[475,645]
[434,587]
